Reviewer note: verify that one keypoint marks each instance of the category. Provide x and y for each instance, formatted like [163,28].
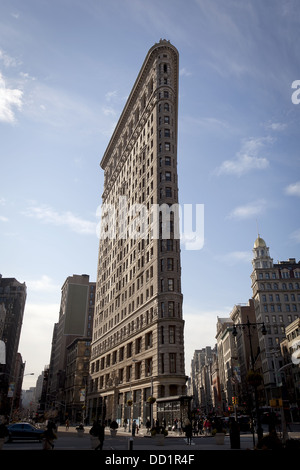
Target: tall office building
[75,321]
[276,295]
[12,304]
[138,342]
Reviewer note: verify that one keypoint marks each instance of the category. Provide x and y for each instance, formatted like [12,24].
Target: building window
[129,349]
[114,357]
[162,363]
[170,284]
[138,370]
[169,245]
[162,335]
[121,353]
[170,264]
[138,345]
[148,340]
[172,334]
[171,309]
[128,373]
[172,358]
[148,367]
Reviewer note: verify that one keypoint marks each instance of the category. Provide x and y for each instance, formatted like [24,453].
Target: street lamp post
[248,325]
[13,393]
[149,373]
[285,435]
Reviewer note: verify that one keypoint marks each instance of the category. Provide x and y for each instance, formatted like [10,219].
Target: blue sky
[66,70]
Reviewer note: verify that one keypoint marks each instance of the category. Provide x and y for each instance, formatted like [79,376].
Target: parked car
[24,431]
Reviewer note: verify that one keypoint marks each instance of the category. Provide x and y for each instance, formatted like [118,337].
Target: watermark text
[159,221]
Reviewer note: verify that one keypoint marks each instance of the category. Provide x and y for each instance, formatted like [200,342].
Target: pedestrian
[97,430]
[67,425]
[188,429]
[207,426]
[49,436]
[3,431]
[200,426]
[234,433]
[133,428]
[148,426]
[195,428]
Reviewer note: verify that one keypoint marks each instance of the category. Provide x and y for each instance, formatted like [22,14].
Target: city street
[69,440]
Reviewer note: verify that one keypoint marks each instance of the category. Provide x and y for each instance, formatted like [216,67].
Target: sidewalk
[173,442]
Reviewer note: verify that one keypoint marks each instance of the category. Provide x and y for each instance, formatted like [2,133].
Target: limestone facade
[138,334]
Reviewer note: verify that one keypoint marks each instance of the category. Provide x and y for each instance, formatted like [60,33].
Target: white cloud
[295,236]
[293,189]
[7,60]
[277,126]
[111,95]
[243,164]
[184,72]
[247,159]
[9,99]
[73,222]
[236,257]
[248,210]
[3,219]
[107,111]
[45,284]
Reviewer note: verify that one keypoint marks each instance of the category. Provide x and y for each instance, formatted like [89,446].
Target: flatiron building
[138,333]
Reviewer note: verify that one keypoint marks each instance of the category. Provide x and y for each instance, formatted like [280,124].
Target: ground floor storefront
[166,411]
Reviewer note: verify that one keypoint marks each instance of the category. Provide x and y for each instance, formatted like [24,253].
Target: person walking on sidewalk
[133,428]
[97,430]
[49,436]
[207,426]
[188,429]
